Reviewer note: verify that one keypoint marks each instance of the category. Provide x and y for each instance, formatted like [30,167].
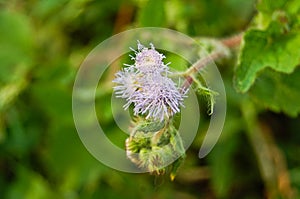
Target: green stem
[260,147]
[270,160]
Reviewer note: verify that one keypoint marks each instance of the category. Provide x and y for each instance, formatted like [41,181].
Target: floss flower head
[145,85]
[128,84]
[158,97]
[149,60]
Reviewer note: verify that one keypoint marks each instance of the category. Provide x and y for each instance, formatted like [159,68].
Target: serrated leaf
[278,91]
[263,50]
[260,51]
[273,42]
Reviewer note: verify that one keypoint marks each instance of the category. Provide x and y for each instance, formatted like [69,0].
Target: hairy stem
[230,42]
[233,41]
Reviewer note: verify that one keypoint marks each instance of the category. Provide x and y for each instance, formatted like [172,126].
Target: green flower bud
[155,145]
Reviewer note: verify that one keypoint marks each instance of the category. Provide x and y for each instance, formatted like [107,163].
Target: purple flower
[127,84]
[145,85]
[158,98]
[148,60]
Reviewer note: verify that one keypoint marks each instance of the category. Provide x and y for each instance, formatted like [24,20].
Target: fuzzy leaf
[278,91]
[269,56]
[274,42]
[261,51]
[150,126]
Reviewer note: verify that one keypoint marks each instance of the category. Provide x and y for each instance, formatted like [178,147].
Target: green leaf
[284,12]
[150,126]
[273,42]
[278,91]
[153,14]
[261,50]
[270,5]
[175,166]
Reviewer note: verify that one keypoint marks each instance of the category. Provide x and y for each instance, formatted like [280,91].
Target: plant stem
[270,160]
[233,41]
[230,42]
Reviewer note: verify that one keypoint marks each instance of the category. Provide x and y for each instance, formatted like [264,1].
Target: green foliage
[209,94]
[278,91]
[273,43]
[42,44]
[152,145]
[281,54]
[17,45]
[16,55]
[157,19]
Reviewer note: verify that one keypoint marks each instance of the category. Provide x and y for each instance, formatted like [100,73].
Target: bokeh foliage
[42,44]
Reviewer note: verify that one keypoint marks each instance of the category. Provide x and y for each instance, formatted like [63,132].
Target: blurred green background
[43,43]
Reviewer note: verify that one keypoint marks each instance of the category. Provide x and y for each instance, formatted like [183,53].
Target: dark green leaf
[278,91]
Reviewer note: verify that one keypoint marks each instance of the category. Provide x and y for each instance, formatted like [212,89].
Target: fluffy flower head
[158,98]
[145,85]
[127,84]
